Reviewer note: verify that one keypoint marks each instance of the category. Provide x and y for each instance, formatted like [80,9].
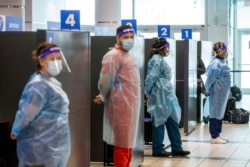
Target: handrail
[240,71]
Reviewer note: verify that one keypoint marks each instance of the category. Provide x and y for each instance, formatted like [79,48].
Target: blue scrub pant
[215,127]
[173,135]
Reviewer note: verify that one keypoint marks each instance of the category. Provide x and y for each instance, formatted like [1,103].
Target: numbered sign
[164,31]
[131,22]
[70,20]
[186,33]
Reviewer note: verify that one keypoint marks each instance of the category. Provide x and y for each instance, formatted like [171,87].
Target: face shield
[172,48]
[167,50]
[57,61]
[171,52]
[229,54]
[138,50]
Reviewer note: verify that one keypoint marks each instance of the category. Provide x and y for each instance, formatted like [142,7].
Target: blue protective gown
[218,84]
[41,123]
[120,89]
[162,102]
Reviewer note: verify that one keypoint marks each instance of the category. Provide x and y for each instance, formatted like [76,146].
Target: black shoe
[181,153]
[163,154]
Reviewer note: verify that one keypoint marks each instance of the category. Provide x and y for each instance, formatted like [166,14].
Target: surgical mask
[54,67]
[127,44]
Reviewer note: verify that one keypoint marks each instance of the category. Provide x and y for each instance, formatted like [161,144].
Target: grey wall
[99,46]
[186,82]
[37,13]
[16,66]
[217,21]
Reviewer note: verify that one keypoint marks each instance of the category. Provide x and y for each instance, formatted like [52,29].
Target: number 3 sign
[131,22]
[70,20]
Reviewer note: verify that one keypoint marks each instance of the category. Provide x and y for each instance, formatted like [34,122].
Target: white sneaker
[217,140]
[223,138]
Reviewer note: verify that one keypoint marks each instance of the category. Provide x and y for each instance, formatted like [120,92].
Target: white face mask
[54,67]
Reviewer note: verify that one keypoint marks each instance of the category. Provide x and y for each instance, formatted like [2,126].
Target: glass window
[126,9]
[170,12]
[243,13]
[147,12]
[87,10]
[245,60]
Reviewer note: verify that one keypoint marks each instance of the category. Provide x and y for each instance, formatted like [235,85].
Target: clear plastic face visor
[61,63]
[171,52]
[126,31]
[167,46]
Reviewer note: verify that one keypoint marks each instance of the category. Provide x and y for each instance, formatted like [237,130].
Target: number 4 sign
[70,20]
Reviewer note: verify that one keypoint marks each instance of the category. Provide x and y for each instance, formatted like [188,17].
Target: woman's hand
[98,99]
[13,136]
[145,100]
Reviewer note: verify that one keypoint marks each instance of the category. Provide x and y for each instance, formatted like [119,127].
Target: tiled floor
[236,153]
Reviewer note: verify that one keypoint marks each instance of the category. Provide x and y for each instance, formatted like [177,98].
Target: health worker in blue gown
[217,88]
[162,103]
[41,126]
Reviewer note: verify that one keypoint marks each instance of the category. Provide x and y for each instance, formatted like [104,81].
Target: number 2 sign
[70,20]
[163,31]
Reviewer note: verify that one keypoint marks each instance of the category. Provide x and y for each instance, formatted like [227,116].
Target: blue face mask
[127,44]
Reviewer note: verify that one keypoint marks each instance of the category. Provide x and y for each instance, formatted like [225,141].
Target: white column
[108,13]
[14,8]
[41,11]
[217,26]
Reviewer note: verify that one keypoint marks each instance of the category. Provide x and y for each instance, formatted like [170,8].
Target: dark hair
[156,46]
[122,27]
[217,48]
[36,53]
